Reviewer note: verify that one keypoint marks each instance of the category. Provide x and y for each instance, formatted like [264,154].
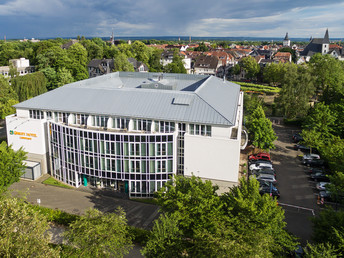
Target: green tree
[126,49]
[260,129]
[329,77]
[11,165]
[166,238]
[8,98]
[297,90]
[54,57]
[94,51]
[321,119]
[250,66]
[29,86]
[320,250]
[121,63]
[141,52]
[154,60]
[201,47]
[63,76]
[177,65]
[236,69]
[328,227]
[23,231]
[100,235]
[258,219]
[198,223]
[312,138]
[78,56]
[333,151]
[274,73]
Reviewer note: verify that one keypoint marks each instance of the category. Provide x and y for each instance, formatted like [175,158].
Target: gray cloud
[161,17]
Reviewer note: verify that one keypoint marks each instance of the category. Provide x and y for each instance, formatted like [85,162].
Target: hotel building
[132,131]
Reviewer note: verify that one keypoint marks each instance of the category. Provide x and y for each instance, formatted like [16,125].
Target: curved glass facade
[136,163]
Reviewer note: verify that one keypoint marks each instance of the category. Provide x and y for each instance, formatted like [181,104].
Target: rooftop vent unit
[156,85]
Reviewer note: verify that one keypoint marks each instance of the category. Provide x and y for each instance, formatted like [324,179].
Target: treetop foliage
[23,230]
[197,222]
[11,165]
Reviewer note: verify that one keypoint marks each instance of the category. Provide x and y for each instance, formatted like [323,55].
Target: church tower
[286,41]
[325,44]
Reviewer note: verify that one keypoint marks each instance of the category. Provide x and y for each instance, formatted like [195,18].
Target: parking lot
[298,194]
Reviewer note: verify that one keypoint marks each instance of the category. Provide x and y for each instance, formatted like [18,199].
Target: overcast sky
[219,18]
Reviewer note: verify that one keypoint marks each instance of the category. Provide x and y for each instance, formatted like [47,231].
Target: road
[294,185]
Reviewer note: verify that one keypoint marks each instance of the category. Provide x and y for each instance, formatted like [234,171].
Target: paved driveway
[294,185]
[76,202]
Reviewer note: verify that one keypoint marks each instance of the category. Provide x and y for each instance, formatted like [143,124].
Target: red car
[259,156]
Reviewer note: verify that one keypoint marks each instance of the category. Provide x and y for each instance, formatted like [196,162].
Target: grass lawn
[53,181]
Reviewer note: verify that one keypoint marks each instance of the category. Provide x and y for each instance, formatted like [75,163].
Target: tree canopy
[196,222]
[250,66]
[297,90]
[23,230]
[260,129]
[100,235]
[11,165]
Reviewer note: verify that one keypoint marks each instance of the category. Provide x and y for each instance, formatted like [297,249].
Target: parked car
[315,170]
[269,171]
[321,186]
[325,194]
[297,138]
[302,148]
[320,177]
[260,165]
[265,177]
[259,156]
[269,189]
[310,156]
[314,163]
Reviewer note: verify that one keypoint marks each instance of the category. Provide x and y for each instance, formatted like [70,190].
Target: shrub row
[256,85]
[260,89]
[57,216]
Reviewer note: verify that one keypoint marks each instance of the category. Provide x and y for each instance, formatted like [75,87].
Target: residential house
[283,57]
[138,65]
[207,65]
[97,67]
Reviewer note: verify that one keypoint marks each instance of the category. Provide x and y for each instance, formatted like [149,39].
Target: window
[49,115]
[164,126]
[36,114]
[142,125]
[100,121]
[134,149]
[161,149]
[80,119]
[62,117]
[195,129]
[120,123]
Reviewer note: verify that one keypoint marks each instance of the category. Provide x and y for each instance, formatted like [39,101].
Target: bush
[57,216]
[139,236]
[257,88]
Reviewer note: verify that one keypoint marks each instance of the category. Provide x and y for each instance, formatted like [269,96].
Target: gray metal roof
[192,98]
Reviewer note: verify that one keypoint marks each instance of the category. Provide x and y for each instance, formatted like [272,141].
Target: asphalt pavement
[298,197]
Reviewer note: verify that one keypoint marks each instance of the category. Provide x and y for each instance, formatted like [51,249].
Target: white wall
[213,158]
[27,133]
